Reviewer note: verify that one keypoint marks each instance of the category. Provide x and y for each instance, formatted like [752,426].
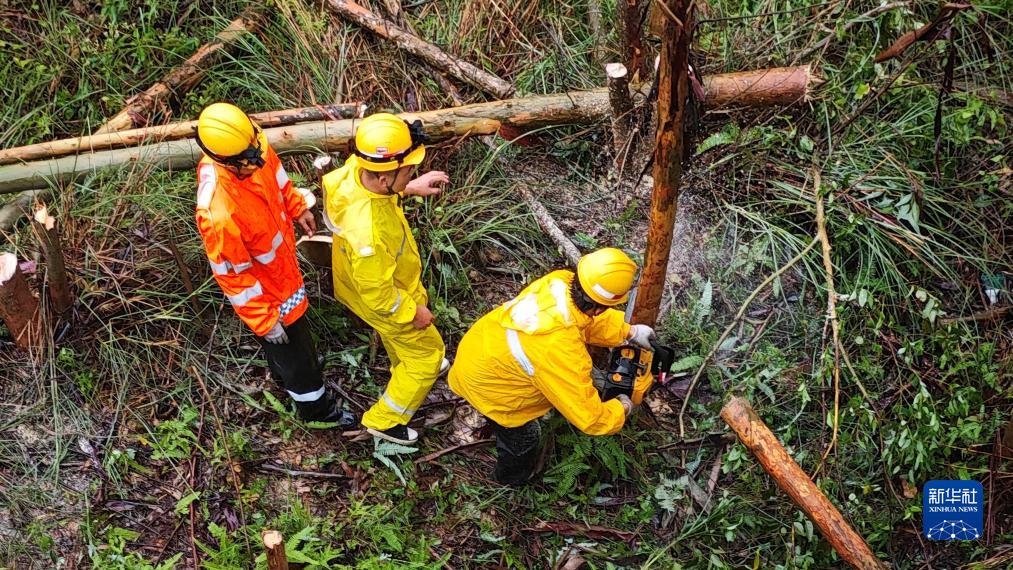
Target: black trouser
[517,451]
[296,369]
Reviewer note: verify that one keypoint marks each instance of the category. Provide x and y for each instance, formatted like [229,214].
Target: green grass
[907,243]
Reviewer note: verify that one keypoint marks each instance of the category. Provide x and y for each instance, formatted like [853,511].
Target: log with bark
[455,66]
[758,438]
[757,88]
[631,25]
[182,78]
[173,131]
[673,96]
[19,308]
[56,270]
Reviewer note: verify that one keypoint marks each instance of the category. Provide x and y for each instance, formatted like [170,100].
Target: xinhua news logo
[953,510]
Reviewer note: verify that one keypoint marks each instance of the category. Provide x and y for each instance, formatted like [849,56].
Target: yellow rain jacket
[377,275]
[530,355]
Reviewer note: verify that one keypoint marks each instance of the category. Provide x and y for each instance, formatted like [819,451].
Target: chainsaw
[632,369]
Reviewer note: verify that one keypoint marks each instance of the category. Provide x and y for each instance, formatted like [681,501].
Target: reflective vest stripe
[393,405]
[268,257]
[397,303]
[292,302]
[224,267]
[246,295]
[280,176]
[514,341]
[309,396]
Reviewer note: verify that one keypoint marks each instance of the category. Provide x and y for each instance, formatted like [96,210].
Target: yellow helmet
[385,142]
[227,135]
[606,276]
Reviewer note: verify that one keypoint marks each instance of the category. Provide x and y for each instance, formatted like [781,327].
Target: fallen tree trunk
[19,309]
[172,131]
[756,88]
[418,47]
[757,437]
[183,77]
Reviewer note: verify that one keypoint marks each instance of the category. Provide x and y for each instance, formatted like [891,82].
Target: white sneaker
[398,434]
[444,368]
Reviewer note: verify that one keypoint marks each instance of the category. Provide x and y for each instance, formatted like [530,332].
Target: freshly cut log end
[774,458]
[43,218]
[19,308]
[272,538]
[615,70]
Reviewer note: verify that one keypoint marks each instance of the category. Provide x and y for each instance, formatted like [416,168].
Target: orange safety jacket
[248,235]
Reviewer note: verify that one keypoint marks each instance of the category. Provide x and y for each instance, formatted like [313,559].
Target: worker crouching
[377,266]
[530,355]
[246,206]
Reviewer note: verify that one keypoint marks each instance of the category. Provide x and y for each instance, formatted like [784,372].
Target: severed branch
[835,326]
[418,47]
[545,219]
[56,270]
[774,458]
[182,78]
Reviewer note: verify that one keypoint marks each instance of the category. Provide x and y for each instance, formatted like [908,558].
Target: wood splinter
[274,543]
[774,458]
[56,269]
[18,306]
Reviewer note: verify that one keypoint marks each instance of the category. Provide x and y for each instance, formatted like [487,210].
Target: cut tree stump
[622,111]
[56,270]
[274,543]
[757,437]
[759,88]
[182,78]
[457,67]
[18,306]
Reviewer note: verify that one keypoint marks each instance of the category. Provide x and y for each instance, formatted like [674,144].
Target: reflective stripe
[397,304]
[309,396]
[514,341]
[366,251]
[224,267]
[558,288]
[390,402]
[220,268]
[268,257]
[281,177]
[604,292]
[292,302]
[207,182]
[246,295]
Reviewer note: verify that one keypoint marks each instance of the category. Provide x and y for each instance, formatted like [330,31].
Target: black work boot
[517,451]
[327,409]
[397,434]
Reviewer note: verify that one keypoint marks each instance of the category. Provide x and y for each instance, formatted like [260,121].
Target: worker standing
[246,206]
[530,354]
[377,267]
